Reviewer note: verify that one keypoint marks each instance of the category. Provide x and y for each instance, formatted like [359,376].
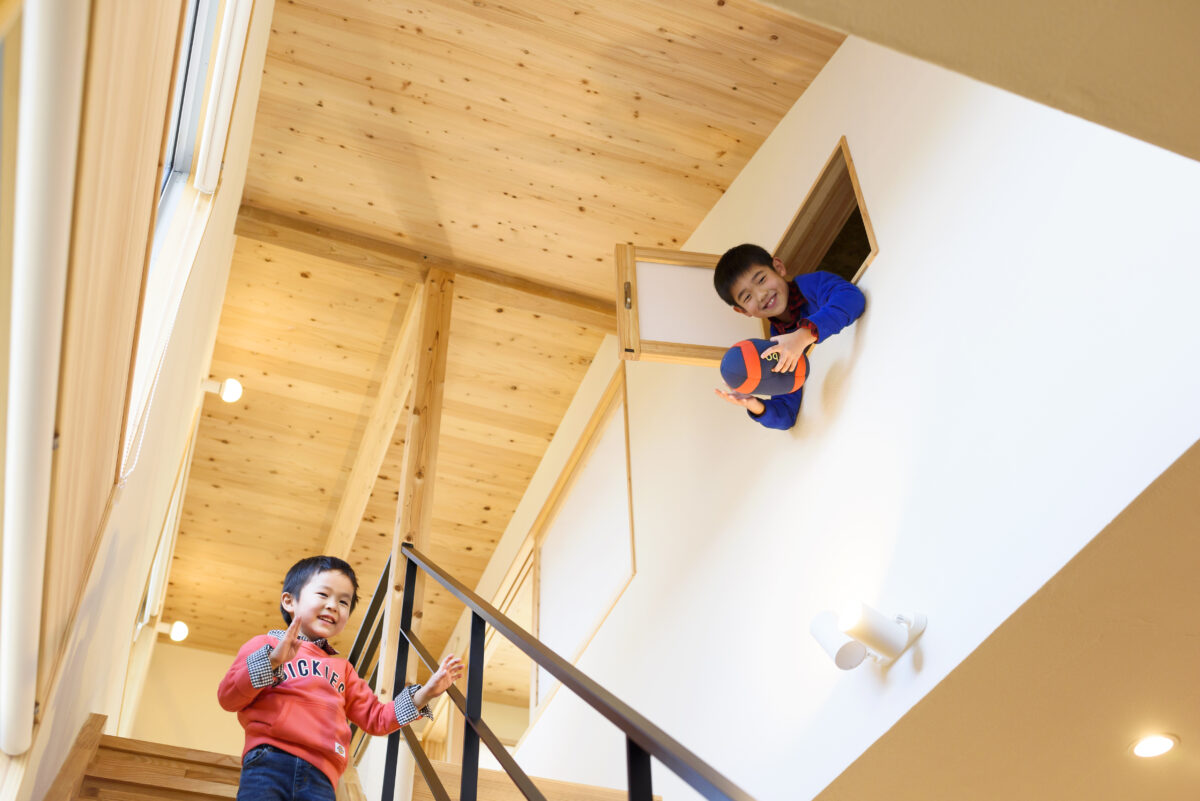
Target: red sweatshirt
[305,713]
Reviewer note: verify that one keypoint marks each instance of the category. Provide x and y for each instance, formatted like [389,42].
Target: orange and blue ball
[745,370]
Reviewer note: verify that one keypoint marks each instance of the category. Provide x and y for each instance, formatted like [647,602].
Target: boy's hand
[790,348]
[749,402]
[447,673]
[289,646]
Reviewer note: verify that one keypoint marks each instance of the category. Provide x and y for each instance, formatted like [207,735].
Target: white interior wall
[1025,367]
[179,701]
[98,650]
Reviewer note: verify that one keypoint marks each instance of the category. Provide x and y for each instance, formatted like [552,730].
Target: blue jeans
[269,774]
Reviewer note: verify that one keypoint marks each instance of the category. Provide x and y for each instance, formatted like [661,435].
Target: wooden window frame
[831,200]
[632,346]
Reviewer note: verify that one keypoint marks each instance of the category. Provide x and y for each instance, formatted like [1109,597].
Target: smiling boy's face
[761,291]
[323,604]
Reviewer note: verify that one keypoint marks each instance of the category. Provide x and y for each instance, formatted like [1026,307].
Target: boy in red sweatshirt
[293,694]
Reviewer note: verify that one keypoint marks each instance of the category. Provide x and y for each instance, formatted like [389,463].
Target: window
[187,95]
[831,230]
[207,67]
[667,310]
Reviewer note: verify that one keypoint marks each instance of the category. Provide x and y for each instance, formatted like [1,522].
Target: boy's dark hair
[734,264]
[303,571]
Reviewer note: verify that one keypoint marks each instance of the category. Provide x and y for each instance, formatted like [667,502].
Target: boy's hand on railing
[790,348]
[288,646]
[447,673]
[749,402]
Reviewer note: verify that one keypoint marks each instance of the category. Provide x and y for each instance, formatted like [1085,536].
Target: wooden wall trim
[346,247]
[613,393]
[614,396]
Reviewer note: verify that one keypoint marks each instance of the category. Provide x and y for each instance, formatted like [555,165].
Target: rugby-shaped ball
[745,370]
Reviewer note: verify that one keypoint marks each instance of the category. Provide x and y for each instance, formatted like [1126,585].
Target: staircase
[133,770]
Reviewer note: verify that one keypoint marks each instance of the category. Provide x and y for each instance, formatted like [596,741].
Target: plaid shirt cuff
[261,673]
[406,710]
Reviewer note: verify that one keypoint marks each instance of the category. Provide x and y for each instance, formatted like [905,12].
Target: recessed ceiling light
[1154,745]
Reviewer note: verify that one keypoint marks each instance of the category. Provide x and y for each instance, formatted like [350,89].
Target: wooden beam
[347,247]
[415,511]
[328,243]
[377,434]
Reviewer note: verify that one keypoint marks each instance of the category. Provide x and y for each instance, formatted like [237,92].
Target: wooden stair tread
[97,789]
[170,751]
[123,769]
[139,768]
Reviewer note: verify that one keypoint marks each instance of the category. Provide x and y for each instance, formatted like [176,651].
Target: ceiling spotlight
[230,389]
[862,631]
[177,631]
[1154,745]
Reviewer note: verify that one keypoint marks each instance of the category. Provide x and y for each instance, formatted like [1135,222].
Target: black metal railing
[643,739]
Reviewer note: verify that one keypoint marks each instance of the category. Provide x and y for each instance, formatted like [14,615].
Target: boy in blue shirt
[803,312]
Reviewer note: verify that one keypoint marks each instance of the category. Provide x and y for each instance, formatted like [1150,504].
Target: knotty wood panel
[310,338]
[529,138]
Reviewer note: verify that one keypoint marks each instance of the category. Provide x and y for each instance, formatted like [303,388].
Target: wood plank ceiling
[510,144]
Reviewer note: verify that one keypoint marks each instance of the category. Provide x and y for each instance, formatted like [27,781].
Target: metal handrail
[643,739]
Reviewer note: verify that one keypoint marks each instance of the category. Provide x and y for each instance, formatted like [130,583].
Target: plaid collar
[795,303]
[322,643]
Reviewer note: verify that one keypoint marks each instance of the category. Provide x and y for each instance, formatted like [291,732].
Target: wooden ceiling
[510,145]
[529,137]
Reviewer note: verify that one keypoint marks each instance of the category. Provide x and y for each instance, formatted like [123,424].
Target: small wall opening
[832,229]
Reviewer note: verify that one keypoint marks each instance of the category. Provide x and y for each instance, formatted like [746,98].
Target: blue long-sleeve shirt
[830,304]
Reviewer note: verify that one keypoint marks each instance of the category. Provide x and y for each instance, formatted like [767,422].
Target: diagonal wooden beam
[346,247]
[378,432]
[414,513]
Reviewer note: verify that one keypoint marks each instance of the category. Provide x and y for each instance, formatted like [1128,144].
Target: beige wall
[1131,65]
[97,651]
[179,701]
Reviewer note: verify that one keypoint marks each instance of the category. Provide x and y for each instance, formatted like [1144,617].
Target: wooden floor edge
[74,767]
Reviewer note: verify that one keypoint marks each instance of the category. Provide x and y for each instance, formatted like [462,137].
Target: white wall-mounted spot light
[862,631]
[846,653]
[230,389]
[177,631]
[1155,745]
